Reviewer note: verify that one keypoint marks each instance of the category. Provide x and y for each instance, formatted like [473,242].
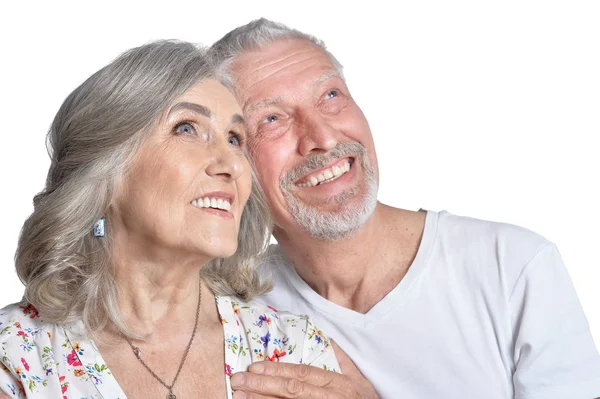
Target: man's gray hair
[252,37]
[68,273]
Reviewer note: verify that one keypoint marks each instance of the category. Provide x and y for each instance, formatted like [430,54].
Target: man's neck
[358,271]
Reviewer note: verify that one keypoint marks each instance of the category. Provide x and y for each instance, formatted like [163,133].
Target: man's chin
[337,216]
[343,221]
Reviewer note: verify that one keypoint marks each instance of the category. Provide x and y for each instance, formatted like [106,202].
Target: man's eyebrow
[263,104]
[197,108]
[326,76]
[277,100]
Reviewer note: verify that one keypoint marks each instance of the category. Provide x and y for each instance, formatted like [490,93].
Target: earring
[99,228]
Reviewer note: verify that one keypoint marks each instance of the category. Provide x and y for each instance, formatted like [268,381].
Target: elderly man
[427,304]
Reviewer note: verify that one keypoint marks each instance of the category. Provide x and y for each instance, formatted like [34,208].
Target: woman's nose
[228,162]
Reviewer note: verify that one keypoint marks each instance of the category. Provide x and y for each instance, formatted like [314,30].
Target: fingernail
[239,395]
[257,368]
[237,380]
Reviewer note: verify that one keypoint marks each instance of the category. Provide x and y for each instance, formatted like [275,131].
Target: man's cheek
[257,141]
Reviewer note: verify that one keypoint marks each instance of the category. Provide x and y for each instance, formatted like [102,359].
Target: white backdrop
[486,109]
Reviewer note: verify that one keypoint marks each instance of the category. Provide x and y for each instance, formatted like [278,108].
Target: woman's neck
[156,285]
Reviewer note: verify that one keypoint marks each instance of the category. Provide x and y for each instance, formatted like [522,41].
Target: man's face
[310,142]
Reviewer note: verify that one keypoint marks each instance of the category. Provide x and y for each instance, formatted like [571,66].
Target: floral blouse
[41,360]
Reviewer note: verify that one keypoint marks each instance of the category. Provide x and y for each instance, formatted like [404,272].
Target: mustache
[317,161]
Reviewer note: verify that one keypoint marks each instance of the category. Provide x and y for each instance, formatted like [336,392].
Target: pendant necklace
[138,353]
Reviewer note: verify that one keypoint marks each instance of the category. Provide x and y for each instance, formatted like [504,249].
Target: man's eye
[184,128]
[271,118]
[331,94]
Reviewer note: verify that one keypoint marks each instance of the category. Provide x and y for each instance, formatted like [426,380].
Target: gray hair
[68,273]
[253,36]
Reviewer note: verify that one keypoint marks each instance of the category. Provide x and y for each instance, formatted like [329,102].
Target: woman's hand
[266,380]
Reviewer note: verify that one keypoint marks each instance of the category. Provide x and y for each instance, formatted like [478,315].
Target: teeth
[326,176]
[217,203]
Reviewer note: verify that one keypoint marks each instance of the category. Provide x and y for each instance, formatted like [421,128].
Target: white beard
[333,225]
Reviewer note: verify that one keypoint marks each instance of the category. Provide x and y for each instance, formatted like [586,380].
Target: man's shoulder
[457,222]
[486,250]
[479,233]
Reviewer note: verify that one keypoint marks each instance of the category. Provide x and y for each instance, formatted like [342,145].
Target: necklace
[138,353]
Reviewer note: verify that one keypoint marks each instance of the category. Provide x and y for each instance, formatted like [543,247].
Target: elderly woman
[139,258]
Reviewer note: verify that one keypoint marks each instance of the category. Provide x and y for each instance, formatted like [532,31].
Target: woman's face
[189,181]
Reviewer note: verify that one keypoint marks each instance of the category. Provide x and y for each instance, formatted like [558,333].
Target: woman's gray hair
[68,273]
[252,37]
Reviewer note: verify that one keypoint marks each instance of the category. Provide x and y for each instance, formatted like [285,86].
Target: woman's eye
[331,94]
[185,128]
[235,140]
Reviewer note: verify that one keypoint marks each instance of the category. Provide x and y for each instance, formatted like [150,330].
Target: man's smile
[326,175]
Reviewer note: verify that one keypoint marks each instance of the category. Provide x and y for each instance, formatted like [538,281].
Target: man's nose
[316,135]
[226,163]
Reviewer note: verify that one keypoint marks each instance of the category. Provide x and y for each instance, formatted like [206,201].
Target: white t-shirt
[486,310]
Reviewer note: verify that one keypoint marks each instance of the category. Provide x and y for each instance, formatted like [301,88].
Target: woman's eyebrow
[237,119]
[197,108]
[202,110]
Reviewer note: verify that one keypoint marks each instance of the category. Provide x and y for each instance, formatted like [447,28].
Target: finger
[279,387]
[251,395]
[301,372]
[346,364]
[350,370]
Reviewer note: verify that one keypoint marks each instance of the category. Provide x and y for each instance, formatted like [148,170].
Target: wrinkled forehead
[279,64]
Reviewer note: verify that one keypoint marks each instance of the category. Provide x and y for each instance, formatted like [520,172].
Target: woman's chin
[224,250]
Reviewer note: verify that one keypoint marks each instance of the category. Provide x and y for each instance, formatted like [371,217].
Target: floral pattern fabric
[41,360]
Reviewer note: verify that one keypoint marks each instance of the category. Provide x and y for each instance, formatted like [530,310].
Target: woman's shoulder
[261,315]
[39,358]
[21,317]
[273,334]
[22,330]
